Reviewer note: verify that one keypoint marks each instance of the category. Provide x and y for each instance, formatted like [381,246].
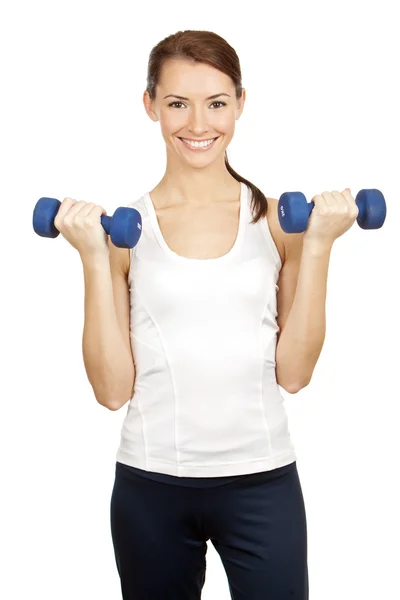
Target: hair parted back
[209,48]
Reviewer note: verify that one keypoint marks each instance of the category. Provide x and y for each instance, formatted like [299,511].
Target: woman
[214,308]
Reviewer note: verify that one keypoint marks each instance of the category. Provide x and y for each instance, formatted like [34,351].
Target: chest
[204,232]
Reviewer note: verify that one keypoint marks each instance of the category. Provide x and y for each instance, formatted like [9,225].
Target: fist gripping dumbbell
[294,210]
[124,227]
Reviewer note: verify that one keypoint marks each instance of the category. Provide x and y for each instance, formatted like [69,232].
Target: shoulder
[289,245]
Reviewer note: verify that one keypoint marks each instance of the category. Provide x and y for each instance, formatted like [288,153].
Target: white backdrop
[322,113]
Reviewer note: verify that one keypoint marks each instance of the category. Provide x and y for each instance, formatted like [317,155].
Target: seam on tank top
[134,249]
[262,377]
[131,257]
[268,236]
[144,215]
[135,337]
[170,372]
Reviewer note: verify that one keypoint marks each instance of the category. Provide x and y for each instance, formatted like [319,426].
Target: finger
[329,198]
[100,209]
[91,207]
[348,197]
[319,201]
[86,209]
[65,206]
[72,212]
[340,199]
[351,202]
[76,208]
[91,213]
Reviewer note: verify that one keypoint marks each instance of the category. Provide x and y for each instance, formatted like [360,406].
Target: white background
[322,113]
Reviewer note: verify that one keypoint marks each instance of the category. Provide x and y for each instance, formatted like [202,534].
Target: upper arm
[119,264]
[288,276]
[290,247]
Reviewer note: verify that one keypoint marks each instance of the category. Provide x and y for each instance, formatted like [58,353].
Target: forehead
[193,79]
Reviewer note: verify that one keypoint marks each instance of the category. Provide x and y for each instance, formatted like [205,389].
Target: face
[197,117]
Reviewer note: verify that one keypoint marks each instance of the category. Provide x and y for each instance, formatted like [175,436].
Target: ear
[240,104]
[149,106]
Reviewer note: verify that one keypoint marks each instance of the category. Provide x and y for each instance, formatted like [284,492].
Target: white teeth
[202,144]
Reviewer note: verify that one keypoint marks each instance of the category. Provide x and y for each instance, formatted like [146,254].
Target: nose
[197,122]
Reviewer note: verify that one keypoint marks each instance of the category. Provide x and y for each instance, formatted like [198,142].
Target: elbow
[115,399]
[107,404]
[291,389]
[113,404]
[112,407]
[117,404]
[294,388]
[121,399]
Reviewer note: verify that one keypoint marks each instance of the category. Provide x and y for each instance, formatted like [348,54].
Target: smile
[199,146]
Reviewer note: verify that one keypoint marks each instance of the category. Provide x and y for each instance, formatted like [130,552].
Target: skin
[190,176]
[194,181]
[197,180]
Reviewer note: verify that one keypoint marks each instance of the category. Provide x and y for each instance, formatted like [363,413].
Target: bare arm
[301,312]
[106,349]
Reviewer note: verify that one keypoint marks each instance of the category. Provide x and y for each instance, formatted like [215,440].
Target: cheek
[171,121]
[223,122]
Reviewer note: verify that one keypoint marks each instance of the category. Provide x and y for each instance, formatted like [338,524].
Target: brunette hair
[209,48]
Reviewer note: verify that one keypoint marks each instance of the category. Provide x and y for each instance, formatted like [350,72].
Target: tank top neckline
[244,211]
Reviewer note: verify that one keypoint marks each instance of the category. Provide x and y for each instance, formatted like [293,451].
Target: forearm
[301,340]
[108,363]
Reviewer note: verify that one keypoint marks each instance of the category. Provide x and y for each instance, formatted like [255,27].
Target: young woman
[196,327]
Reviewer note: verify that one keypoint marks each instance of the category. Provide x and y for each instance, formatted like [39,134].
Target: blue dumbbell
[124,227]
[294,210]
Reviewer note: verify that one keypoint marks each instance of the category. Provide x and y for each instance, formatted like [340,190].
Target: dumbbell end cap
[126,227]
[372,209]
[44,213]
[293,212]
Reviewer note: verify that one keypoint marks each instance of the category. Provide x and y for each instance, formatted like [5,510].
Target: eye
[215,102]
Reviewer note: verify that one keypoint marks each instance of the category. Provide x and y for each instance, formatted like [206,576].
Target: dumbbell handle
[105,220]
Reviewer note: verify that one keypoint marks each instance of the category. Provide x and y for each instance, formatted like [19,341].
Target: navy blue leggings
[256,523]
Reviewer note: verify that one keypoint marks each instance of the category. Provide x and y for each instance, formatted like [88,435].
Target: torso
[184,228]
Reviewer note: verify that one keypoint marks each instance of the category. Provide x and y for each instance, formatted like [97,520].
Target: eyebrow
[183,97]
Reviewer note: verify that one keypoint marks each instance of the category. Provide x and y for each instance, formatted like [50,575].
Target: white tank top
[203,332]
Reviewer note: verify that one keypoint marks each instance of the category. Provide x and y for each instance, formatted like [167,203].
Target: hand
[333,214]
[79,222]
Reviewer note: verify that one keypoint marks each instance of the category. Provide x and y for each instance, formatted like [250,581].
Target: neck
[194,187]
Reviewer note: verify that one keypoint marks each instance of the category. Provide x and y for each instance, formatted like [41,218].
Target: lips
[206,140]
[199,148]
